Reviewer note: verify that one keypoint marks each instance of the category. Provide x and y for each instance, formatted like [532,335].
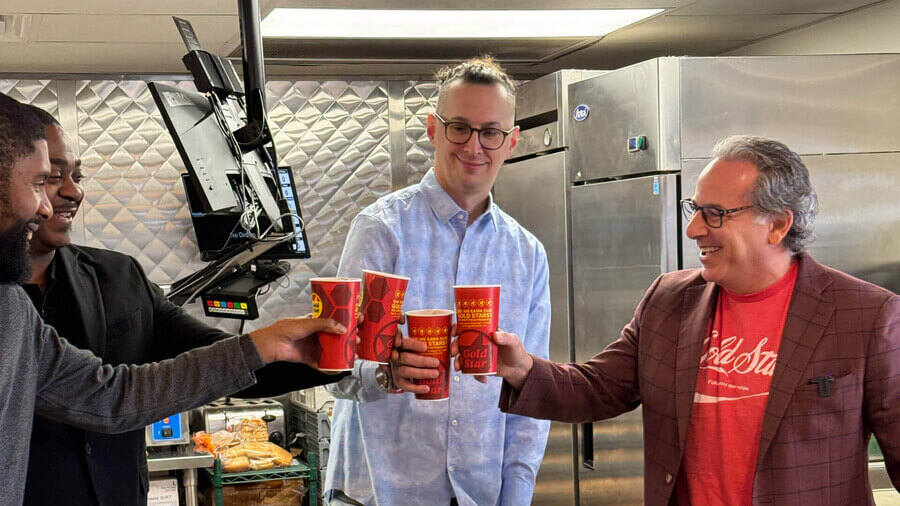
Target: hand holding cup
[336,298]
[293,339]
[408,364]
[513,361]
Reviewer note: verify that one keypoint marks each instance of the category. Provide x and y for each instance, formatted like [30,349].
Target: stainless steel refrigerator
[532,187]
[637,139]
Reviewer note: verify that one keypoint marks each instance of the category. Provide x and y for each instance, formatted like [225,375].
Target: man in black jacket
[102,301]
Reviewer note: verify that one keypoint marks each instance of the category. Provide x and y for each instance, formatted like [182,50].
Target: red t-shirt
[736,367]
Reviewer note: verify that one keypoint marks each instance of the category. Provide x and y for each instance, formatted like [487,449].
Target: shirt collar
[52,269]
[445,207]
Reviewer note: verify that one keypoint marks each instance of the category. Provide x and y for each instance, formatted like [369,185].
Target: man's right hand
[294,339]
[407,365]
[513,362]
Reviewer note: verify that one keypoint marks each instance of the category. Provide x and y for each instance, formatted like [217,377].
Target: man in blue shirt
[390,449]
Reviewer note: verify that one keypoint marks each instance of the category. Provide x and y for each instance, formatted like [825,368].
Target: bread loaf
[254,455]
[254,429]
[237,464]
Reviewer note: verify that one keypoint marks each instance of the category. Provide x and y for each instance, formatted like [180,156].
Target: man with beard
[102,301]
[42,373]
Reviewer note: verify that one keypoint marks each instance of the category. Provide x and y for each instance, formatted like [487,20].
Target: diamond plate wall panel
[420,99]
[333,134]
[41,93]
[133,202]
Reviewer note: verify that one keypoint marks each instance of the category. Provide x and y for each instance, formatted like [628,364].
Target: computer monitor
[201,127]
[215,229]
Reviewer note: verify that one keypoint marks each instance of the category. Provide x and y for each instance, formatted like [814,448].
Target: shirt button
[668,478]
[87,448]
[456,379]
[450,468]
[454,423]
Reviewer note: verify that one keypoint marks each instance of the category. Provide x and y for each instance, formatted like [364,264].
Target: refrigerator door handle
[587,445]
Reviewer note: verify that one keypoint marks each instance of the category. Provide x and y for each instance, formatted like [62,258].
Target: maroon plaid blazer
[813,449]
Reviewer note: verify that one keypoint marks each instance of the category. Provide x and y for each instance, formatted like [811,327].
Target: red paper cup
[433,327]
[382,306]
[477,318]
[338,299]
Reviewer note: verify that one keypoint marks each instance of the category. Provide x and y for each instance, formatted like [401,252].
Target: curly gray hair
[783,183]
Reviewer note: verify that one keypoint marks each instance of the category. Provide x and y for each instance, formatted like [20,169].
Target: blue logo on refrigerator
[581,112]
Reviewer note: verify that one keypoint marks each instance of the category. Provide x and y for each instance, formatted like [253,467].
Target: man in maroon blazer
[762,374]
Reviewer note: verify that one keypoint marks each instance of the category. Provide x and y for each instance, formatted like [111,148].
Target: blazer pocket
[842,394]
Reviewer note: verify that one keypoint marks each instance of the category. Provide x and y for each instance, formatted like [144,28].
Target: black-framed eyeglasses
[458,132]
[712,215]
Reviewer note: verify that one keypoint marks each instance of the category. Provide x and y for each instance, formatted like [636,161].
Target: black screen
[213,229]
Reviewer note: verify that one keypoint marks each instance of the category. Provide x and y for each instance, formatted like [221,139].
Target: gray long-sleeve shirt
[42,373]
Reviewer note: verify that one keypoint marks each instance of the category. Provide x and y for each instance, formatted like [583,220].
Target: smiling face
[467,170]
[63,190]
[22,208]
[745,254]
[26,200]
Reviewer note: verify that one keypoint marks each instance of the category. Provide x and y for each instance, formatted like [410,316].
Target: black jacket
[112,309]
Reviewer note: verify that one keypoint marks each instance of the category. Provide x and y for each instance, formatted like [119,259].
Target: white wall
[874,29]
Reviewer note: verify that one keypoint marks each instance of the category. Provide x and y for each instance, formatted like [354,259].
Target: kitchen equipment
[227,414]
[172,430]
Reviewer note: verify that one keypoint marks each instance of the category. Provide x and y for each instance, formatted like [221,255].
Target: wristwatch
[383,377]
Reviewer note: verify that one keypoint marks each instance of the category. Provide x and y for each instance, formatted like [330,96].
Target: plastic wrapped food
[254,455]
[215,443]
[247,449]
[254,429]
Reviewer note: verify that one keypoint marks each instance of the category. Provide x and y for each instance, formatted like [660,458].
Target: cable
[293,234]
[219,253]
[202,285]
[247,199]
[287,282]
[271,137]
[250,205]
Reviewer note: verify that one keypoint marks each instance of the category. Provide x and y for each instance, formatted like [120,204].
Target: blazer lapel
[697,307]
[807,317]
[88,300]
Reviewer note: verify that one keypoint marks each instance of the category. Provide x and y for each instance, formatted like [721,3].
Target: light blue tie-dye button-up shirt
[390,449]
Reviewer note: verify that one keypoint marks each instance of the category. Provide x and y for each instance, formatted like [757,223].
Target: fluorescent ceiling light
[447,24]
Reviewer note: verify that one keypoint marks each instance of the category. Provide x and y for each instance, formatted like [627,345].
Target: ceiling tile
[211,30]
[163,7]
[608,55]
[719,7]
[474,4]
[675,29]
[62,57]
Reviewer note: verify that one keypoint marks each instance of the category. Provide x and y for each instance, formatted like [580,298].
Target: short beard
[15,266]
